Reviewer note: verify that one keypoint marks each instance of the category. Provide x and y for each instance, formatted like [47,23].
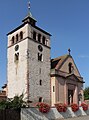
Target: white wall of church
[17,71]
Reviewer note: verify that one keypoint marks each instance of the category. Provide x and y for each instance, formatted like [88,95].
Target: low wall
[53,114]
[9,114]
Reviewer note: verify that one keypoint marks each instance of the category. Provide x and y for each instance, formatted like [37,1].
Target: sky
[66,20]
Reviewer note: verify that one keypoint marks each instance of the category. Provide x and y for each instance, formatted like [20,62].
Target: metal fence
[9,114]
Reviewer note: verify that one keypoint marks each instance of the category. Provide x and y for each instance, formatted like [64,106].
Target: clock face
[16,47]
[40,48]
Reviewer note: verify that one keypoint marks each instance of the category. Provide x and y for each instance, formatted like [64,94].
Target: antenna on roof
[29,6]
[69,50]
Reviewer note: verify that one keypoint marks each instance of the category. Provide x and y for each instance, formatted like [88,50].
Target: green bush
[13,103]
[86,93]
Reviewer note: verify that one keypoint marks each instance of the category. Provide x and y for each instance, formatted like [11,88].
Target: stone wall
[34,114]
[24,74]
[38,70]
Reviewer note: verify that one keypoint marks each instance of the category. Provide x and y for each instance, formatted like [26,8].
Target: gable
[65,66]
[72,77]
[62,64]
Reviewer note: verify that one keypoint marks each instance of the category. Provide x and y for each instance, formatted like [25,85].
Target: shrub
[84,106]
[43,107]
[86,93]
[13,103]
[74,107]
[61,107]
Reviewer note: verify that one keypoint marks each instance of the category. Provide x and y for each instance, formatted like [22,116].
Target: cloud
[83,56]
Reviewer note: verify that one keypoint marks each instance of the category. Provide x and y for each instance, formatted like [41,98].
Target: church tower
[28,61]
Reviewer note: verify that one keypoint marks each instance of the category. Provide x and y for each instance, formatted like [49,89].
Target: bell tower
[28,61]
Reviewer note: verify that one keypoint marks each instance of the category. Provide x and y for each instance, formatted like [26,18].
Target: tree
[13,103]
[86,93]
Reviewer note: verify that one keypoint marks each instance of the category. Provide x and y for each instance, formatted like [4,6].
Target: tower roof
[29,18]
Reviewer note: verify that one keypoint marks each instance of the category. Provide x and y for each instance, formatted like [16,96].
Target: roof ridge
[60,57]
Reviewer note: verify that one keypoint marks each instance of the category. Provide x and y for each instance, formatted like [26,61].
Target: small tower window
[39,70]
[46,42]
[34,35]
[40,99]
[16,57]
[17,38]
[40,82]
[39,37]
[12,41]
[40,57]
[21,35]
[70,67]
[53,89]
[43,40]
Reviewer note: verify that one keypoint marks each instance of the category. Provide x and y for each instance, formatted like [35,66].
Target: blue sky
[66,20]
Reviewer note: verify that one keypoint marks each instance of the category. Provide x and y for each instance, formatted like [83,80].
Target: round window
[16,47]
[40,48]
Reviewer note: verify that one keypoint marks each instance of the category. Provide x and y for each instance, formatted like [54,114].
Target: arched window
[39,37]
[40,82]
[34,35]
[43,40]
[13,40]
[16,57]
[21,35]
[17,38]
[70,67]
